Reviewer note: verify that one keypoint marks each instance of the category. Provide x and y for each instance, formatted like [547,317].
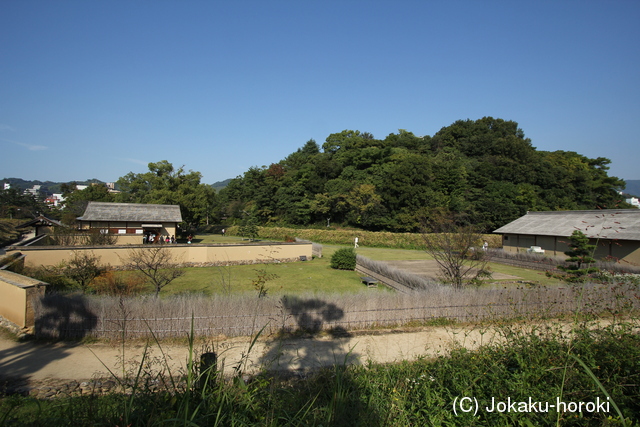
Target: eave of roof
[40,219]
[619,224]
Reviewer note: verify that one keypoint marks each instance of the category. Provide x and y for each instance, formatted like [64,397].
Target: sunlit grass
[291,278]
[526,275]
[386,254]
[526,365]
[216,238]
[311,276]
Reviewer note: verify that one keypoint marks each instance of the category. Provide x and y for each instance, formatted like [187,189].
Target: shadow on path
[57,317]
[312,317]
[64,317]
[19,361]
[324,351]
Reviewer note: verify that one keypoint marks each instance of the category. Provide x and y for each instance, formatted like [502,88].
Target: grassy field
[290,278]
[385,254]
[217,238]
[306,277]
[287,278]
[593,362]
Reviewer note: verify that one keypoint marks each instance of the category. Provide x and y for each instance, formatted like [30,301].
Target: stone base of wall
[225,263]
[15,329]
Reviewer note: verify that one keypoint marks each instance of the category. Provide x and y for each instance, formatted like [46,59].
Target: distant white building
[111,186]
[634,201]
[7,185]
[54,200]
[33,190]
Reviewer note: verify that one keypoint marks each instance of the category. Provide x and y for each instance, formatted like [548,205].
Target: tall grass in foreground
[76,316]
[531,365]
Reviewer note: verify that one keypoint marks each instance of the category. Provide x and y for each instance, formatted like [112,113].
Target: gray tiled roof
[41,219]
[621,224]
[134,212]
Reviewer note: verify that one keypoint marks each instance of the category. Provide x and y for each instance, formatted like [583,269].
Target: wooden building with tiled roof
[42,225]
[131,221]
[615,232]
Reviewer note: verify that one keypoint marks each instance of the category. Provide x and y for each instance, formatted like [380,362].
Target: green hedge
[381,239]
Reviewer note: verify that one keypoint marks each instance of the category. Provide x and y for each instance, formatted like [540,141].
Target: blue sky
[97,89]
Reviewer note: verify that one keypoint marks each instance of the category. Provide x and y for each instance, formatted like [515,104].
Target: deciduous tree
[83,267]
[156,264]
[455,247]
[165,185]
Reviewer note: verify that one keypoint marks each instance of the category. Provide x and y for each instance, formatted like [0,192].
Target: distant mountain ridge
[50,187]
[46,187]
[221,184]
[633,187]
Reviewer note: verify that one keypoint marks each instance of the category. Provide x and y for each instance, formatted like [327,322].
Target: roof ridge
[132,204]
[596,211]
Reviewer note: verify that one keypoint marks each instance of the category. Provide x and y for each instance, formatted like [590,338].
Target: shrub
[344,259]
[83,268]
[53,276]
[112,283]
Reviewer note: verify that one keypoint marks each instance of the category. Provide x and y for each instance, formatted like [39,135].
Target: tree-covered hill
[485,169]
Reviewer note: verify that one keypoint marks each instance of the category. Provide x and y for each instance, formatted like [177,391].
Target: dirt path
[41,362]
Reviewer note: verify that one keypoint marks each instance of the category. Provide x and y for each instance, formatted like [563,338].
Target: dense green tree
[485,169]
[16,204]
[581,260]
[165,185]
[76,201]
[249,227]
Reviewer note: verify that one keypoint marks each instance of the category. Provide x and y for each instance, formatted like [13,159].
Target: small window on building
[122,231]
[506,237]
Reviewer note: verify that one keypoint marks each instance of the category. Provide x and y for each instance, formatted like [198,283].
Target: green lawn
[298,277]
[304,277]
[215,238]
[380,254]
[386,254]
[534,276]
